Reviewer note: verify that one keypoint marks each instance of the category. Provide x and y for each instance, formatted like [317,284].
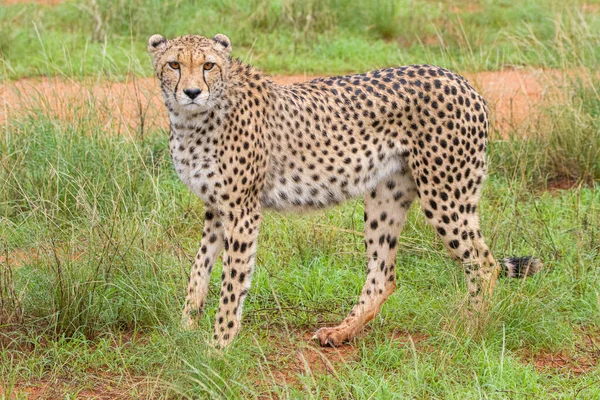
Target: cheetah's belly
[288,190]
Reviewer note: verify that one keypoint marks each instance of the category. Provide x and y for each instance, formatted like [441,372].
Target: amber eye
[208,66]
[174,65]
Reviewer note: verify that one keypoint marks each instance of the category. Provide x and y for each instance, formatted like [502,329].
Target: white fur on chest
[195,159]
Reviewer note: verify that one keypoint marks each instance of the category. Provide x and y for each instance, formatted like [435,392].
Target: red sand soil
[47,2]
[133,106]
[584,358]
[299,355]
[20,257]
[98,385]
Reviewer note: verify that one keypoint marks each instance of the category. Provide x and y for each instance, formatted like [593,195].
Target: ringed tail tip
[520,267]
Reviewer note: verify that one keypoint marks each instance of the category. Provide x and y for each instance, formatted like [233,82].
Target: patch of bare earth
[591,8]
[136,105]
[20,257]
[561,183]
[97,383]
[466,8]
[45,2]
[514,94]
[583,358]
[298,356]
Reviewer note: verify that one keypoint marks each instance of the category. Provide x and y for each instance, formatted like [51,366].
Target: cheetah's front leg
[211,246]
[241,232]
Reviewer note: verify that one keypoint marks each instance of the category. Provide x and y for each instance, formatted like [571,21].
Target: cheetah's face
[192,70]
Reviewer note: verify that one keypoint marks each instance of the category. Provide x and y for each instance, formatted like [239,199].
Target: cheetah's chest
[196,164]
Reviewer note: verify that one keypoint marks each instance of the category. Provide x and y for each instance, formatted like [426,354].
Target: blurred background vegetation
[108,38]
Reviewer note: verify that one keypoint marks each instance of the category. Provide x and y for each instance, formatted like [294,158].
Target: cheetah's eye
[208,66]
[174,65]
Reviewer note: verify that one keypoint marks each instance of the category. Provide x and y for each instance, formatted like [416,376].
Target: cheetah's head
[192,70]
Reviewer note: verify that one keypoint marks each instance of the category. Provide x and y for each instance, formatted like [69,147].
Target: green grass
[560,144]
[108,38]
[100,234]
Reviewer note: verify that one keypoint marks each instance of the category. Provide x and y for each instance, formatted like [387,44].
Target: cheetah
[243,144]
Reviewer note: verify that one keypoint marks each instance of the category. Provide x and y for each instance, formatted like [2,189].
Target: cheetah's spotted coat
[242,143]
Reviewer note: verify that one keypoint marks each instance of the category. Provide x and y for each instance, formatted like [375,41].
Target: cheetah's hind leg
[385,213]
[458,226]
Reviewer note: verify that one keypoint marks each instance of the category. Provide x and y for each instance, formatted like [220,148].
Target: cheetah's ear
[222,42]
[156,43]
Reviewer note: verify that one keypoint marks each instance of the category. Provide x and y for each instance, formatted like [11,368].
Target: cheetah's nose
[192,93]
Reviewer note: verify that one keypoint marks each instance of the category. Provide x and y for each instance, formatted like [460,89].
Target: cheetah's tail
[520,267]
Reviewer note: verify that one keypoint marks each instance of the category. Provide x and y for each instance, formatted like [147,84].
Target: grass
[560,145]
[108,38]
[97,236]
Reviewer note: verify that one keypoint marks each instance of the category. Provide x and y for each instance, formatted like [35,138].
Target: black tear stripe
[177,85]
[206,83]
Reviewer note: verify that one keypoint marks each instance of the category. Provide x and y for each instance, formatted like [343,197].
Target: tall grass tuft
[11,311]
[78,202]
[561,145]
